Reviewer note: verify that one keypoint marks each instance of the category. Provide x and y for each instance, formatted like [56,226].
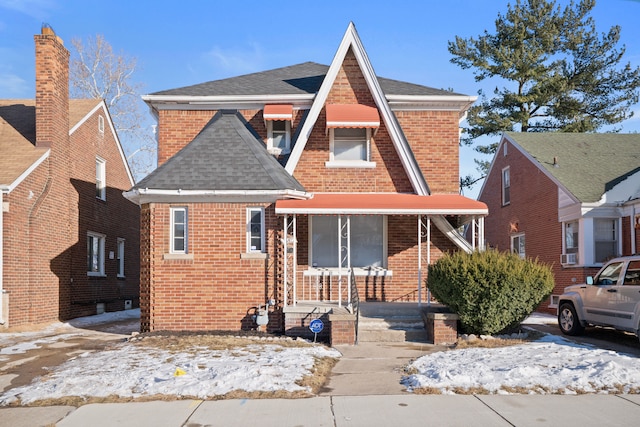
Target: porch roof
[382,204]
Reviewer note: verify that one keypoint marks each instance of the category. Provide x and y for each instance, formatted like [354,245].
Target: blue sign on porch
[316,326]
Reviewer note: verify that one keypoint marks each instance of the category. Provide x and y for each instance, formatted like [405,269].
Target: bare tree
[97,72]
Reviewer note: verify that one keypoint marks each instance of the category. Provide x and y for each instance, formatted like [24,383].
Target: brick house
[69,240]
[286,191]
[571,200]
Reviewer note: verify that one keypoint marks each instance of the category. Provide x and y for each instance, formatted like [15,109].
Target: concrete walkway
[343,411]
[373,368]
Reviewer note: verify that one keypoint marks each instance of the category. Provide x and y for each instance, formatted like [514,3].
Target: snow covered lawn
[138,369]
[147,369]
[549,365]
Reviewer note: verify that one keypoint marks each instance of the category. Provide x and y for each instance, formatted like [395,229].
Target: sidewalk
[343,411]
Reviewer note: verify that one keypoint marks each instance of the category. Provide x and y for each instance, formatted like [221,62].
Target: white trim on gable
[8,189]
[351,40]
[102,105]
[499,152]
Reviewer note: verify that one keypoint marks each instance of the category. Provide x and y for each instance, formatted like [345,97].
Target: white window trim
[250,210]
[515,236]
[101,239]
[618,232]
[172,248]
[503,187]
[385,246]
[578,248]
[276,150]
[120,256]
[101,181]
[101,124]
[333,163]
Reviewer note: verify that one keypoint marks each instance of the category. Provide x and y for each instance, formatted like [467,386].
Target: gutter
[145,195]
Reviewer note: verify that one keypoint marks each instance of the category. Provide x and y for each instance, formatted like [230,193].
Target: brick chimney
[52,89]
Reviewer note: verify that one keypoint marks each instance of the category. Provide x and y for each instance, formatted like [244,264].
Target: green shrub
[490,291]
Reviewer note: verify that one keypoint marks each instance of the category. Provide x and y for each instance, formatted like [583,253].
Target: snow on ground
[548,365]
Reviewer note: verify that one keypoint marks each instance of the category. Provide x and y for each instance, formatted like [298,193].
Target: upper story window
[350,144]
[350,128]
[101,124]
[101,178]
[506,186]
[279,136]
[278,118]
[95,254]
[179,230]
[255,229]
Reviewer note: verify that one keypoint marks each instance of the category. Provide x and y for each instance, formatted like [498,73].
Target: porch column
[290,259]
[344,233]
[423,230]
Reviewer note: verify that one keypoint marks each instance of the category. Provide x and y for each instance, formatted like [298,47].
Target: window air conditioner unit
[568,258]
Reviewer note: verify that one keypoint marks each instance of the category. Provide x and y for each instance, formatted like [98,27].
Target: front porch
[373,322]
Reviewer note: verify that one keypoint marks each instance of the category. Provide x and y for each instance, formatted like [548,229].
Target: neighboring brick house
[69,240]
[273,187]
[571,200]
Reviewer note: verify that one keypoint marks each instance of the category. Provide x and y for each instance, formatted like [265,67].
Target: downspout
[3,190]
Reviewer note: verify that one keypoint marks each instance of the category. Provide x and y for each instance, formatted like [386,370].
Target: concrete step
[392,326]
[392,335]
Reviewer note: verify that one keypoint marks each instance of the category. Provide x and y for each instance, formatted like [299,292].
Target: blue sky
[188,42]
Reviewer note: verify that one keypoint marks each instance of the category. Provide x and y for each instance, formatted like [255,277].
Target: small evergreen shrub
[490,291]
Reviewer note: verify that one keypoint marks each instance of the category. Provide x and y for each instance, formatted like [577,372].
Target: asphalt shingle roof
[18,134]
[588,165]
[299,79]
[225,155]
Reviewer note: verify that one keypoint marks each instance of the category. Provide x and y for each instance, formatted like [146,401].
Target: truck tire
[568,320]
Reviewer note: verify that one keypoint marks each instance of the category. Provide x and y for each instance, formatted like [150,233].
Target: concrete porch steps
[391,322]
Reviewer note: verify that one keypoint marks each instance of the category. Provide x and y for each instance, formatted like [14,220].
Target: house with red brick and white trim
[572,200]
[69,240]
[290,191]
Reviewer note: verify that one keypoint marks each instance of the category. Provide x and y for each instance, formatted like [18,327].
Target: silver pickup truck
[611,298]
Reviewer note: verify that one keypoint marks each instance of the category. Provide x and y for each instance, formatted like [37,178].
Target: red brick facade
[216,287]
[49,213]
[532,210]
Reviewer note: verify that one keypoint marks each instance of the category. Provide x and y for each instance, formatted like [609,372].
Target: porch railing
[354,304]
[333,285]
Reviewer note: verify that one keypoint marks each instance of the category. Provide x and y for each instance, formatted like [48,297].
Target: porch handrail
[355,301]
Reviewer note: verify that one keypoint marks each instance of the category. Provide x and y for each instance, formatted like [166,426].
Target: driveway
[27,354]
[604,338]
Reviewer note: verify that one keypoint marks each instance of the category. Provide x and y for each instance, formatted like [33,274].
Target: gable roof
[587,165]
[225,159]
[300,79]
[351,41]
[18,136]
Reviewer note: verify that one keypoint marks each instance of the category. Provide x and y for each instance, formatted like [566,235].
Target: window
[95,254]
[101,124]
[571,231]
[350,144]
[278,136]
[517,245]
[367,238]
[255,230]
[632,275]
[606,239]
[120,257]
[101,179]
[506,186]
[179,230]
